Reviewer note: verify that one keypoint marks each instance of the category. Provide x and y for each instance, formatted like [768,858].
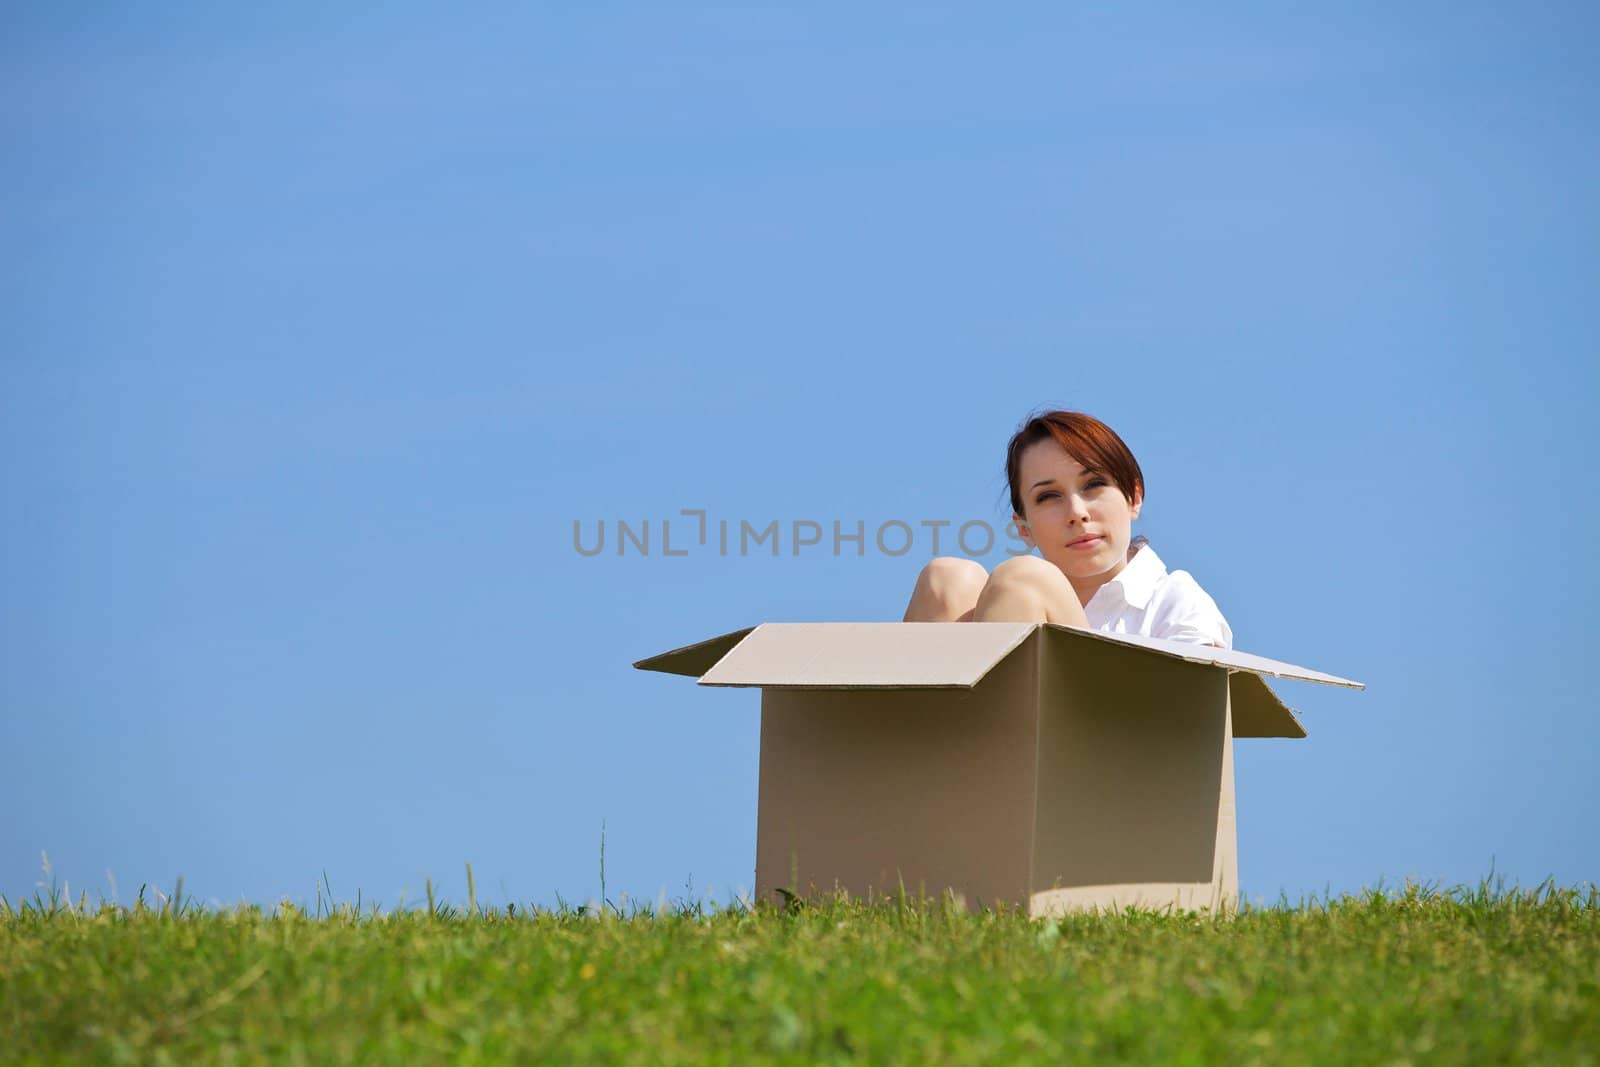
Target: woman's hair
[1086,439]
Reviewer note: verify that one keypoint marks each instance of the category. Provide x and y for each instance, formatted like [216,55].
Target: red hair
[1086,439]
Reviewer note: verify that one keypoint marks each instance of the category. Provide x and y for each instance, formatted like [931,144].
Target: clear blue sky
[321,328]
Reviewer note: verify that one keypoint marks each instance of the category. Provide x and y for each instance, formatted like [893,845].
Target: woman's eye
[1042,497]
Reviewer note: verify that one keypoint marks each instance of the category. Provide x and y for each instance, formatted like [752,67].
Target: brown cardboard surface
[849,655]
[869,790]
[1131,751]
[840,654]
[1223,657]
[1257,711]
[694,660]
[1044,766]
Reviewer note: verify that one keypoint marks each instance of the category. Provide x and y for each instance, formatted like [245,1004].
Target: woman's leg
[946,590]
[1029,589]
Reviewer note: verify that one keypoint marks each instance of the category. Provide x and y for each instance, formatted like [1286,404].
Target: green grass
[1417,975]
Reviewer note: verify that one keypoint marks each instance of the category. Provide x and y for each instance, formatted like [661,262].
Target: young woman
[1075,491]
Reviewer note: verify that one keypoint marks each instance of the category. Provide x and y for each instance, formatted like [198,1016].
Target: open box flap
[694,660]
[1222,657]
[944,655]
[867,655]
[1257,711]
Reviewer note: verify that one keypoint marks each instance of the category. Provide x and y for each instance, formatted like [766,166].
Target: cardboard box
[1030,764]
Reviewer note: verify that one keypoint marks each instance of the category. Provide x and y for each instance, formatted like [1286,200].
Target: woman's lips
[1087,542]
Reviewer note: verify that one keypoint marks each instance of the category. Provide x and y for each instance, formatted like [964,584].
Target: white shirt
[1148,600]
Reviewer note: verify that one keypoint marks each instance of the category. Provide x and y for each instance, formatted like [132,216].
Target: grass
[1412,975]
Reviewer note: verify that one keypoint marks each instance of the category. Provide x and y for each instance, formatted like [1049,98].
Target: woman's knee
[952,573]
[1029,571]
[1027,588]
[950,584]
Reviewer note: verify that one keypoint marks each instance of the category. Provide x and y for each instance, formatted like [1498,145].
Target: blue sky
[322,327]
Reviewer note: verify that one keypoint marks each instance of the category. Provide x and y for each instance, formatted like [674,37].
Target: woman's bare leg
[1029,589]
[946,590]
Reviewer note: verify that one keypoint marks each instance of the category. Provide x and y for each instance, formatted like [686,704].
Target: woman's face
[1077,518]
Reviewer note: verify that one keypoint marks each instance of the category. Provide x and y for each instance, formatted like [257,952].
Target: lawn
[1412,975]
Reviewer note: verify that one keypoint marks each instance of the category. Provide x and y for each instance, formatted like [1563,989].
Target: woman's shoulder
[1183,610]
[1181,585]
[1167,585]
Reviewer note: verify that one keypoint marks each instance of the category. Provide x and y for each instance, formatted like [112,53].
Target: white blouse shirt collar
[1136,583]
